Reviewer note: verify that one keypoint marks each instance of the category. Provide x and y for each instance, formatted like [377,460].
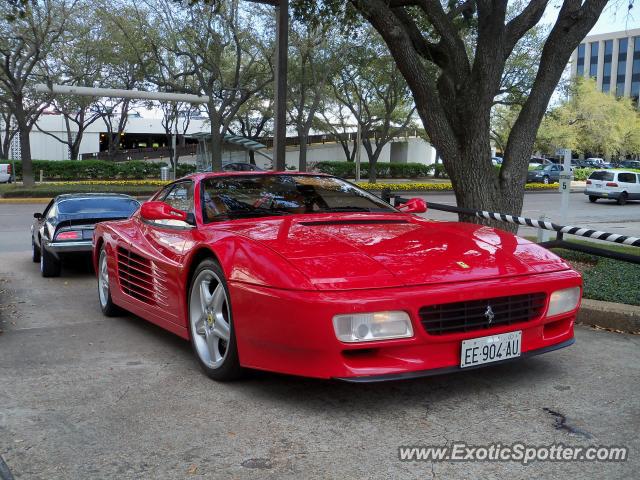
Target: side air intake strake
[140,279]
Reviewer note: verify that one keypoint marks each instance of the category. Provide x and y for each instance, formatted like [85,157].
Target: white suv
[5,173]
[618,185]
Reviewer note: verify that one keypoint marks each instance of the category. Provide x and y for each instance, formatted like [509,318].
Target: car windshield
[605,176]
[539,167]
[263,195]
[109,206]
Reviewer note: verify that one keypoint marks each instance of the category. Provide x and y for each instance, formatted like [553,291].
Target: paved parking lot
[83,396]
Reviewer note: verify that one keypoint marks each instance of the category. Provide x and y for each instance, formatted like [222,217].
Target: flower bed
[438,187]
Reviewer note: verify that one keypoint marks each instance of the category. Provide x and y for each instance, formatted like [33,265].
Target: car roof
[87,196]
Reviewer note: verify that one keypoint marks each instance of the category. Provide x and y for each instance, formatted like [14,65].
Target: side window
[52,212]
[627,177]
[181,196]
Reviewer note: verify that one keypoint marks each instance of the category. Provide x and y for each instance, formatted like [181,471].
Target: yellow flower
[434,187]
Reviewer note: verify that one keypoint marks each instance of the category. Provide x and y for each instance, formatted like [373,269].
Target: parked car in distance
[66,225]
[307,274]
[630,164]
[545,173]
[616,185]
[537,161]
[241,167]
[598,162]
[6,175]
[496,161]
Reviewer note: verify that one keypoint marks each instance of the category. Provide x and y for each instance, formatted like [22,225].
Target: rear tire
[622,199]
[593,199]
[211,328]
[49,264]
[35,252]
[109,309]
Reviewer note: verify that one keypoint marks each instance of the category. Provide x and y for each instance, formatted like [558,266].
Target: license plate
[598,185]
[493,348]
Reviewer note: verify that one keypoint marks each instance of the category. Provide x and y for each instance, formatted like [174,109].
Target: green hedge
[66,170]
[604,278]
[383,169]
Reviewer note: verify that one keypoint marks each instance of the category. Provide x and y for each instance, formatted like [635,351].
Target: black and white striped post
[560,230]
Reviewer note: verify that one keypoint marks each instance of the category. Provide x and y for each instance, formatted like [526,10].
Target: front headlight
[563,301]
[366,327]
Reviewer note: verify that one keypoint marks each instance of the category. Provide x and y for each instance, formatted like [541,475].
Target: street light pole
[280,123]
[358,141]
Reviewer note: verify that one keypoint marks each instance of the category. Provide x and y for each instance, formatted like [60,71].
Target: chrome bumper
[70,247]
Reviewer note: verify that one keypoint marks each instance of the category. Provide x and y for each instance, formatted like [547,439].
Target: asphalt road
[84,396]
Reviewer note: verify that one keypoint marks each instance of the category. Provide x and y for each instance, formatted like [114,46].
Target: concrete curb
[615,316]
[18,200]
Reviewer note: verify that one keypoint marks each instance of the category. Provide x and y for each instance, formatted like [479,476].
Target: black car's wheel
[107,306]
[622,199]
[49,264]
[593,199]
[35,252]
[211,323]
[545,180]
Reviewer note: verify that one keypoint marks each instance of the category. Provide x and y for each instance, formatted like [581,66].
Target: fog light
[366,327]
[563,301]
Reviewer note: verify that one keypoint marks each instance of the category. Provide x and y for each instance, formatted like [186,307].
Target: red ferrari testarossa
[307,274]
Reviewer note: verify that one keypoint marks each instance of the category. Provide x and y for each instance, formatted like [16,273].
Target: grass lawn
[606,279]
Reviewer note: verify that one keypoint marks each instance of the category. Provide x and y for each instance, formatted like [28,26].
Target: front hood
[350,251]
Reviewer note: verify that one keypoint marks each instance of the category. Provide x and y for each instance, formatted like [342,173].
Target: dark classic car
[66,225]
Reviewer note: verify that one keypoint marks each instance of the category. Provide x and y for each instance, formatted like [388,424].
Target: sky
[615,17]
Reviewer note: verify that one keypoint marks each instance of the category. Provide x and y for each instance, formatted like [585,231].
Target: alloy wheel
[209,318]
[103,279]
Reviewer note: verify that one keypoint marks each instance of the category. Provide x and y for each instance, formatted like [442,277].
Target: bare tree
[176,118]
[370,86]
[208,49]
[313,63]
[336,118]
[78,60]
[254,119]
[25,42]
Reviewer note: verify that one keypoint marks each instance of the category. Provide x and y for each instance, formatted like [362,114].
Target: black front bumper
[441,371]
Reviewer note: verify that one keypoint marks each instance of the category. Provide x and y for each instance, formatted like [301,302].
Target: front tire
[545,180]
[49,264]
[593,198]
[211,329]
[622,199]
[109,309]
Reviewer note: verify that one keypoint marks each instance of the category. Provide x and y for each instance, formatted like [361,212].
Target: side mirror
[37,215]
[162,211]
[413,205]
